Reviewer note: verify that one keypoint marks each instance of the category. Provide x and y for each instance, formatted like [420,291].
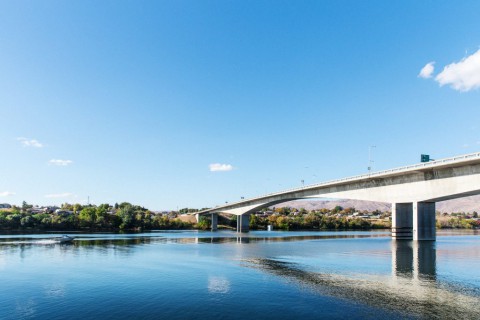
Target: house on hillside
[64,213]
[35,210]
[50,209]
[5,206]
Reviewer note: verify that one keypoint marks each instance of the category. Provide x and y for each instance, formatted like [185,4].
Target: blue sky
[140,100]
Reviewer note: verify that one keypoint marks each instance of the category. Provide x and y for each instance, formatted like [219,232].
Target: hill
[467,204]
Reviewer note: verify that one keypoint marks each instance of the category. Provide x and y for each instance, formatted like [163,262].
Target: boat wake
[31,242]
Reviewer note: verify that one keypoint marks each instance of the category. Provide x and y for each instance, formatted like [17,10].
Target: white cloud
[462,76]
[30,143]
[427,71]
[220,167]
[59,195]
[58,162]
[6,194]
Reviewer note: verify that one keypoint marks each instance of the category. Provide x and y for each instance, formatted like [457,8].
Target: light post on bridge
[370,161]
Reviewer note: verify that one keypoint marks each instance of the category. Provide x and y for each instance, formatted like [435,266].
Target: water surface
[261,275]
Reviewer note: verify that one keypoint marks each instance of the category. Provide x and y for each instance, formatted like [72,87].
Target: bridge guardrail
[455,159]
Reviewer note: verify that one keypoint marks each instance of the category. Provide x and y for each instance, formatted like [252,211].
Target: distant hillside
[468,204]
[330,204]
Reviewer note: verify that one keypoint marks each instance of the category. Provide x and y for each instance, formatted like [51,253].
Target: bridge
[412,190]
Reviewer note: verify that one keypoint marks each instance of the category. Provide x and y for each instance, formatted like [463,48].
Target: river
[221,275]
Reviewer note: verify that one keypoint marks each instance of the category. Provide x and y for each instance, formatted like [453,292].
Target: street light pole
[370,161]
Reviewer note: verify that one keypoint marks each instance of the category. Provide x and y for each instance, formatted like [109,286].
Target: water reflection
[412,290]
[267,239]
[218,285]
[85,245]
[26,309]
[188,237]
[55,290]
[414,259]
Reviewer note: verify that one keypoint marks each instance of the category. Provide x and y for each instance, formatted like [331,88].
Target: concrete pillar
[214,221]
[424,227]
[197,217]
[243,222]
[402,221]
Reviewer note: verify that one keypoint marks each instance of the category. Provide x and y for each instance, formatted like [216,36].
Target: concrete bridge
[413,191]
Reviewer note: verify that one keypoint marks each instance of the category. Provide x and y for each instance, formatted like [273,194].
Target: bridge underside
[418,191]
[413,197]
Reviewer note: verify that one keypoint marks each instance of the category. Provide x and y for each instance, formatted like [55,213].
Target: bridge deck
[462,160]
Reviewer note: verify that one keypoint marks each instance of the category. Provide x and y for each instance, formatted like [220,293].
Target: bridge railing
[452,160]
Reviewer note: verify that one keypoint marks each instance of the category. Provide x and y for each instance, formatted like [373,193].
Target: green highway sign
[425,158]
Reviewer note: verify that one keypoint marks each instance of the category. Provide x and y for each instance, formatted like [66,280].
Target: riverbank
[127,217]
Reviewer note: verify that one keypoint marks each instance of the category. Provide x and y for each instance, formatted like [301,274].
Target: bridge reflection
[266,239]
[414,260]
[411,291]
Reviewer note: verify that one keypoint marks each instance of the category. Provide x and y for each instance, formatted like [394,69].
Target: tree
[13,220]
[312,221]
[203,224]
[87,217]
[282,222]
[26,206]
[101,215]
[27,221]
[337,209]
[253,223]
[43,219]
[76,208]
[285,211]
[124,204]
[139,218]
[126,214]
[67,206]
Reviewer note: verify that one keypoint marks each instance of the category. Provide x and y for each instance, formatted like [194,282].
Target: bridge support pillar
[402,221]
[414,220]
[424,227]
[243,222]
[214,221]
[197,217]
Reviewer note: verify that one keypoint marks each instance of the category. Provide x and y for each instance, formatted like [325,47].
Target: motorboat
[64,239]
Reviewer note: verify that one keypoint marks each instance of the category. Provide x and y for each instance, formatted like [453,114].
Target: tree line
[124,216]
[286,218]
